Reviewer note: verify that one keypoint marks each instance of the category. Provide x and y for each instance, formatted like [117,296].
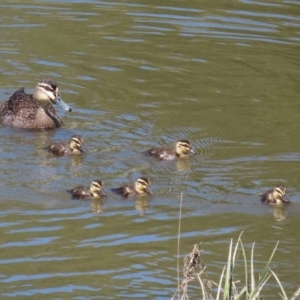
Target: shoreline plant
[228,288]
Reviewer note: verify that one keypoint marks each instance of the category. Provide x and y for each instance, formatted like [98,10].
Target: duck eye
[48,88]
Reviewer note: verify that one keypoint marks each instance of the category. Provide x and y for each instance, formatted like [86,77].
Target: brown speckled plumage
[141,187]
[74,147]
[33,111]
[182,148]
[275,196]
[95,190]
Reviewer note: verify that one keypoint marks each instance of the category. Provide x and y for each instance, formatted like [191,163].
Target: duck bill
[59,102]
[82,149]
[192,151]
[148,190]
[103,194]
[285,199]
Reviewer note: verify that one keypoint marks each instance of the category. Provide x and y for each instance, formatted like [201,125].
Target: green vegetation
[227,288]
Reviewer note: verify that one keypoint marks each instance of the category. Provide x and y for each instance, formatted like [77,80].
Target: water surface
[140,74]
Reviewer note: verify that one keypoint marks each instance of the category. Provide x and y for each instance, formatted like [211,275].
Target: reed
[228,288]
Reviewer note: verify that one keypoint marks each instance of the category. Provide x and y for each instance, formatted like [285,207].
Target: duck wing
[20,104]
[57,149]
[124,191]
[161,153]
[79,192]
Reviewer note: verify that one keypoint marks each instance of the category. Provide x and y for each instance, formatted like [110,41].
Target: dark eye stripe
[142,182]
[76,141]
[185,145]
[48,88]
[49,82]
[96,185]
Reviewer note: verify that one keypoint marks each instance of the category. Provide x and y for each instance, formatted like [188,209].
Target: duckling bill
[141,187]
[95,190]
[182,149]
[275,196]
[74,147]
[34,111]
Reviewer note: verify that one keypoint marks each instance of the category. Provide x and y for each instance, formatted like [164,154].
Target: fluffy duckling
[141,187]
[275,196]
[74,147]
[95,190]
[182,148]
[34,111]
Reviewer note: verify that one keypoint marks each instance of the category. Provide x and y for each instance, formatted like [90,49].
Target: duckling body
[74,147]
[141,187]
[95,190]
[182,149]
[34,111]
[275,196]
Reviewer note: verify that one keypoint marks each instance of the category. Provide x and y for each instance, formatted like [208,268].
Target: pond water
[224,75]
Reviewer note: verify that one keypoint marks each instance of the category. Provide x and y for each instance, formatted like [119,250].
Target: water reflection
[97,205]
[279,212]
[142,204]
[183,164]
[77,160]
[216,74]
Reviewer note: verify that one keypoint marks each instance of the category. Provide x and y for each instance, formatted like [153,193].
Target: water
[141,74]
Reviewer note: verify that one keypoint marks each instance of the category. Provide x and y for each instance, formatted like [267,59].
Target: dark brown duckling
[182,149]
[74,147]
[95,190]
[275,196]
[141,187]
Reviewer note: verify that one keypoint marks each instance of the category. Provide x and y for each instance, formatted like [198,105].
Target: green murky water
[138,74]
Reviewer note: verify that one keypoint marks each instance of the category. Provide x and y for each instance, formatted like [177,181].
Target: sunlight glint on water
[137,75]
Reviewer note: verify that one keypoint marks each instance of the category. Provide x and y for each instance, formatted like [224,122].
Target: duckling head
[183,148]
[141,186]
[47,92]
[76,144]
[279,194]
[96,189]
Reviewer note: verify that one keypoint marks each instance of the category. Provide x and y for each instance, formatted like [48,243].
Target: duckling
[182,149]
[141,187]
[74,147]
[275,196]
[95,190]
[34,111]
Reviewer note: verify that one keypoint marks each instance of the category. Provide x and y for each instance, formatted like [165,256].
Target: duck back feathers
[33,111]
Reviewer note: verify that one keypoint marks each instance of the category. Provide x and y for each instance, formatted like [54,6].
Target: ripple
[21,277]
[32,242]
[36,229]
[141,75]
[63,289]
[30,259]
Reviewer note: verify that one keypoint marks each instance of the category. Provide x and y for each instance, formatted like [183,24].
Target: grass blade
[220,284]
[228,277]
[284,296]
